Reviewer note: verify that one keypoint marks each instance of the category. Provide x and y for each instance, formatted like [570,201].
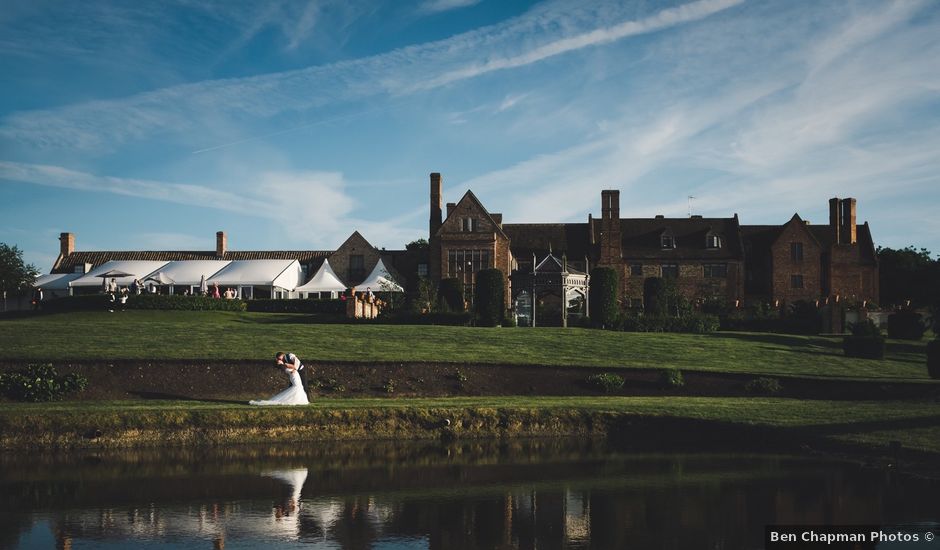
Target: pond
[413,495]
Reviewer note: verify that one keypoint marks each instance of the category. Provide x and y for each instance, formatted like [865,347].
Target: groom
[290,359]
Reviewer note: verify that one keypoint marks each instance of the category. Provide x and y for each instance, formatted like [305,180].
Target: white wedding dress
[293,395]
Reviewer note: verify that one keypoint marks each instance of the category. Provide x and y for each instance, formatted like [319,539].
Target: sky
[288,125]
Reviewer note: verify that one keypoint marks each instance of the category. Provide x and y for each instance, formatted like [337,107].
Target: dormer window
[713,241]
[468,224]
[667,241]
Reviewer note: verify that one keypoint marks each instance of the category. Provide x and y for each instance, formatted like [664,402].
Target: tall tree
[15,274]
[908,274]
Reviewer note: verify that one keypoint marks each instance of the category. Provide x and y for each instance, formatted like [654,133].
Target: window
[713,241]
[422,270]
[670,271]
[636,270]
[668,241]
[715,270]
[796,281]
[796,252]
[468,224]
[464,264]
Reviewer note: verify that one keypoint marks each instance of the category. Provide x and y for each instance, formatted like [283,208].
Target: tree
[908,274]
[417,244]
[489,297]
[15,275]
[450,292]
[603,295]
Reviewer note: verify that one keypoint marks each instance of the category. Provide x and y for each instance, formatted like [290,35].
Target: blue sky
[151,125]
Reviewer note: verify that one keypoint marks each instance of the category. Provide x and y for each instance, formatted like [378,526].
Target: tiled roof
[640,238]
[67,264]
[570,239]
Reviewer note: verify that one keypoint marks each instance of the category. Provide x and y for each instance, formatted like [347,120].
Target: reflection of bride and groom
[296,392]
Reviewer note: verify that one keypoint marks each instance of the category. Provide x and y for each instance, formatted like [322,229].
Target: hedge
[602,296]
[933,359]
[656,296]
[100,302]
[699,323]
[906,324]
[865,342]
[335,307]
[450,292]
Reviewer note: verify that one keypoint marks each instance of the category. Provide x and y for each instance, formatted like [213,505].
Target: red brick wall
[849,278]
[692,282]
[783,266]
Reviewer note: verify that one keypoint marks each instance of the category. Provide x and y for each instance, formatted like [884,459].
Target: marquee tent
[272,276]
[380,280]
[187,273]
[56,281]
[136,269]
[325,280]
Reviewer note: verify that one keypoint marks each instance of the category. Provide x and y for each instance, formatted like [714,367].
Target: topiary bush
[763,386]
[671,378]
[450,294]
[602,297]
[865,342]
[489,297]
[656,297]
[933,358]
[606,382]
[40,383]
[906,324]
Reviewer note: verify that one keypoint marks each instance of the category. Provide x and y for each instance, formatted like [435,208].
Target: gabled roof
[380,280]
[324,280]
[469,196]
[797,221]
[551,264]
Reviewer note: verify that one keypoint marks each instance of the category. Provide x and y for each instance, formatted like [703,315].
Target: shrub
[453,318]
[489,297]
[450,292]
[865,342]
[671,378]
[656,297]
[763,386]
[698,323]
[40,383]
[100,302]
[906,324]
[602,297]
[933,359]
[606,382]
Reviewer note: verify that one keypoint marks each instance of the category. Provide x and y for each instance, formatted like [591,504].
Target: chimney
[611,247]
[450,208]
[848,230]
[435,221]
[66,243]
[835,220]
[221,243]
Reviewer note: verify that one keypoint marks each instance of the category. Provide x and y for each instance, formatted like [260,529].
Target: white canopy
[380,280]
[56,281]
[277,273]
[137,269]
[325,280]
[189,272]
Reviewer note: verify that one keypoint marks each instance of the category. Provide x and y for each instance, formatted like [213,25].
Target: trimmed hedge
[335,307]
[656,297]
[602,294]
[40,383]
[447,318]
[906,324]
[489,297]
[933,359]
[450,293]
[865,342]
[700,323]
[101,302]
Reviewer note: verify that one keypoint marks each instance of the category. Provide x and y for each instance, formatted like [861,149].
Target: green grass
[915,423]
[256,336]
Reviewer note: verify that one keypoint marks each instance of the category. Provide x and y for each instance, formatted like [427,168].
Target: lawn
[183,335]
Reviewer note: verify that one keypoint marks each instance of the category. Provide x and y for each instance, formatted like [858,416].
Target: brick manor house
[546,265]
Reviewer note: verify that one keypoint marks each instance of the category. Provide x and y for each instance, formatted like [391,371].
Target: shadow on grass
[171,397]
[873,426]
[788,340]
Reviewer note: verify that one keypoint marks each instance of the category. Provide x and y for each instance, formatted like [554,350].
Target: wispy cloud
[540,34]
[437,6]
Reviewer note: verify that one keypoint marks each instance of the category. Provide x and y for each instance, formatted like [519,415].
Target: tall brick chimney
[435,222]
[66,243]
[849,230]
[611,248]
[221,243]
[835,219]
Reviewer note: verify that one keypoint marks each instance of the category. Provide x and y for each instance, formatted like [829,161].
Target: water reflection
[529,494]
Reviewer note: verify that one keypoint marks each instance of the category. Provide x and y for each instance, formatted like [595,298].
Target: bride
[293,395]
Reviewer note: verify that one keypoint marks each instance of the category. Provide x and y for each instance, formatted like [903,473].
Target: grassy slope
[916,424]
[224,335]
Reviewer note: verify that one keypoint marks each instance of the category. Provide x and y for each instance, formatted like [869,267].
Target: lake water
[540,494]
